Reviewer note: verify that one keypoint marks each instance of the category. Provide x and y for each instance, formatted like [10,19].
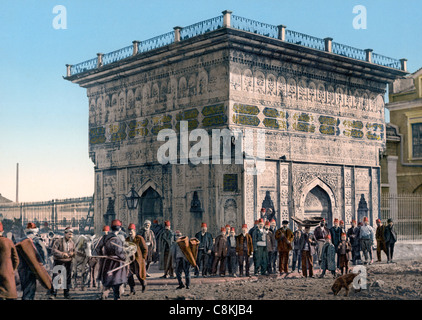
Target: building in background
[402,160]
[320,103]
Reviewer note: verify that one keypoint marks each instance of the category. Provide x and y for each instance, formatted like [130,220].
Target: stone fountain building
[321,105]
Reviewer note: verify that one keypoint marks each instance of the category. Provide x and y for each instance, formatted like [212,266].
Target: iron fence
[249,25]
[117,55]
[305,40]
[201,27]
[406,212]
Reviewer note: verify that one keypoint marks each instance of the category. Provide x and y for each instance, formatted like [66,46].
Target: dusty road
[398,281]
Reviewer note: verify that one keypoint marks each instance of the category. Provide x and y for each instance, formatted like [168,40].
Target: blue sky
[44,119]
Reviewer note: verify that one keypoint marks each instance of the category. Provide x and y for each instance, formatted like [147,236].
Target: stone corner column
[226,18]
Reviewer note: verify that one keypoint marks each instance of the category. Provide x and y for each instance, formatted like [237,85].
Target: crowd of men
[268,248]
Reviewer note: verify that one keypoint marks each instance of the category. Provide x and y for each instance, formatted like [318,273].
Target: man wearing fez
[335,237]
[307,245]
[284,236]
[244,249]
[271,245]
[390,236]
[259,240]
[366,235]
[220,253]
[231,253]
[272,256]
[344,253]
[150,241]
[263,214]
[353,235]
[379,236]
[137,267]
[63,252]
[180,263]
[165,242]
[320,233]
[204,250]
[9,262]
[112,246]
[297,252]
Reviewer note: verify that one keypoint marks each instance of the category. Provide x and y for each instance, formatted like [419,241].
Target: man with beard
[320,233]
[158,229]
[335,237]
[307,246]
[231,252]
[150,241]
[390,236]
[272,256]
[366,236]
[353,235]
[112,246]
[271,245]
[297,252]
[284,236]
[137,267]
[180,263]
[244,249]
[165,242]
[379,236]
[220,253]
[28,278]
[204,250]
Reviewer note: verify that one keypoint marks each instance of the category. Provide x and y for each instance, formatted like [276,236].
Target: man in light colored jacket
[366,236]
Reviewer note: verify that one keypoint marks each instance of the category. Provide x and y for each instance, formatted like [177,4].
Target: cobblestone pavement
[398,281]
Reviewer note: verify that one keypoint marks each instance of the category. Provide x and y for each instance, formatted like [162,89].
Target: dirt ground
[399,281]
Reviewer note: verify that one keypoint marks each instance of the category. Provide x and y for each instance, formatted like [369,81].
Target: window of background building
[417,140]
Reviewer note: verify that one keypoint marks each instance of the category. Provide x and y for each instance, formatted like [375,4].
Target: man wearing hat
[335,232]
[390,236]
[165,242]
[320,233]
[272,256]
[9,262]
[231,252]
[271,246]
[204,250]
[63,252]
[328,257]
[344,253]
[112,274]
[284,237]
[259,240]
[220,253]
[307,245]
[150,240]
[366,236]
[137,267]
[297,252]
[180,263]
[379,236]
[353,235]
[263,214]
[244,249]
[28,278]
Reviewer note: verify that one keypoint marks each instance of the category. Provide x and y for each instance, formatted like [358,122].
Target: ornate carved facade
[323,117]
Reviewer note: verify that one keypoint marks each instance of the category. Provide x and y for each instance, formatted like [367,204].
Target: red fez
[203,225]
[335,220]
[260,220]
[365,219]
[323,219]
[131,226]
[223,229]
[244,226]
[354,221]
[178,233]
[167,223]
[227,226]
[155,221]
[267,223]
[272,220]
[343,234]
[263,210]
[378,220]
[1,227]
[106,228]
[232,229]
[256,221]
[31,226]
[328,236]
[116,223]
[341,222]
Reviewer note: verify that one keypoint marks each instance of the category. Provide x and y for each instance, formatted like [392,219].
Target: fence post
[100,59]
[227,18]
[328,44]
[135,47]
[369,55]
[177,33]
[68,70]
[403,64]
[281,32]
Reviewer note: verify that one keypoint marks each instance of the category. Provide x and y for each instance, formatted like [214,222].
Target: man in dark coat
[150,240]
[379,236]
[28,279]
[220,253]
[259,240]
[158,229]
[180,263]
[272,256]
[137,267]
[297,252]
[320,233]
[112,246]
[231,253]
[204,250]
[353,235]
[285,237]
[244,249]
[344,253]
[9,262]
[307,245]
[390,236]
[335,237]
[165,242]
